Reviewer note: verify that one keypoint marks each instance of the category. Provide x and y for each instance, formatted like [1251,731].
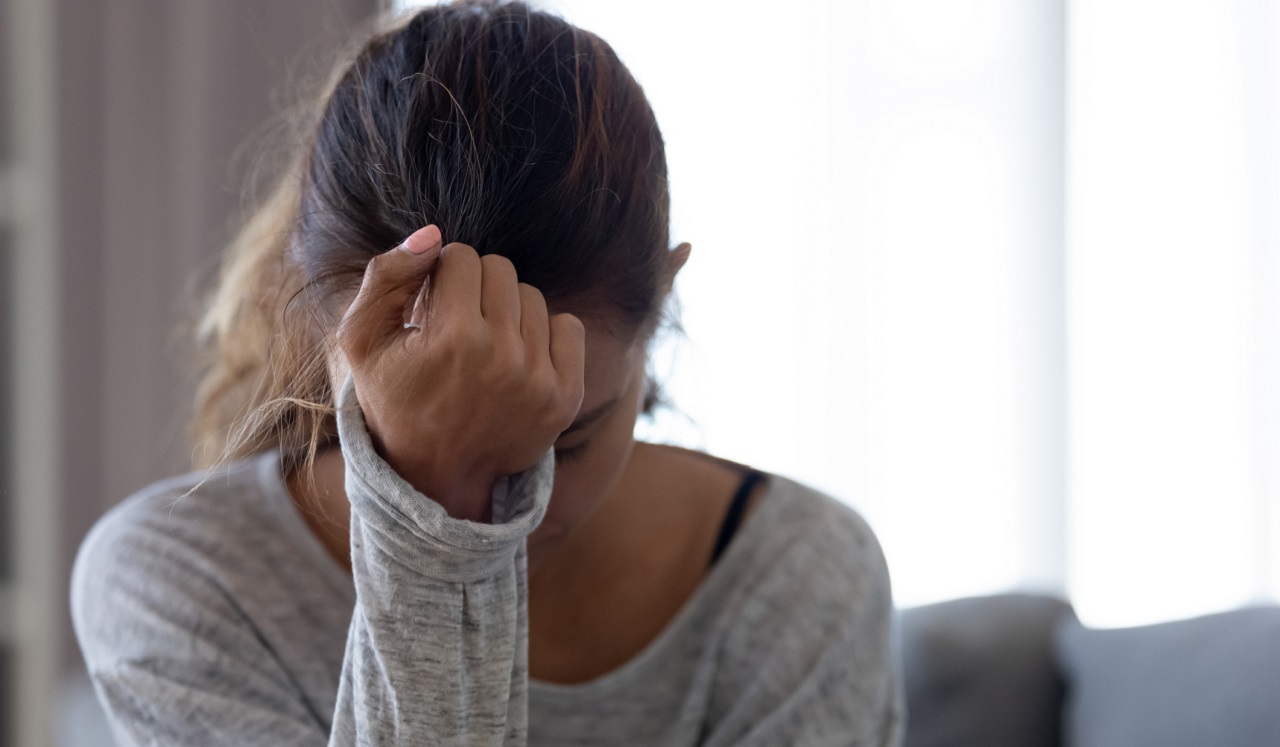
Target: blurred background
[1005,276]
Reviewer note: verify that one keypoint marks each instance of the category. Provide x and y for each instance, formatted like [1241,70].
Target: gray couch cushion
[1213,680]
[980,672]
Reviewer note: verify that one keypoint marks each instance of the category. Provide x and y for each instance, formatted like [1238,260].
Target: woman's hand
[478,385]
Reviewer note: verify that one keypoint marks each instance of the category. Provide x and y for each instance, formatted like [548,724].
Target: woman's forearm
[437,648]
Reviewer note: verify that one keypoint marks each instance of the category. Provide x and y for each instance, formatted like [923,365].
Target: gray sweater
[220,619]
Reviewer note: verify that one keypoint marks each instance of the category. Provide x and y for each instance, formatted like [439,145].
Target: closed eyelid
[591,417]
[571,453]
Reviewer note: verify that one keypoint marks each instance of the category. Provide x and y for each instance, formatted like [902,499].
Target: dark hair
[507,127]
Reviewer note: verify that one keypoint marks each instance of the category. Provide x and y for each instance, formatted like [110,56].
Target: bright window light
[1016,301]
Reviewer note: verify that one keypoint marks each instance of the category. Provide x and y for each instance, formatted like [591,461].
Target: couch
[1019,670]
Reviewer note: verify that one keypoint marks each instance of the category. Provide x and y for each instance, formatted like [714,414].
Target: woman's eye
[570,454]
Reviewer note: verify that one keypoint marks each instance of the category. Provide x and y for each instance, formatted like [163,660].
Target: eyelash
[571,454]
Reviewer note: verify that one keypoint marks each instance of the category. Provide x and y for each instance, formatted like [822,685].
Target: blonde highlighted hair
[264,378]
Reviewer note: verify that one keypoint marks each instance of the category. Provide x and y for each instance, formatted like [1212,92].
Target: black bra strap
[734,515]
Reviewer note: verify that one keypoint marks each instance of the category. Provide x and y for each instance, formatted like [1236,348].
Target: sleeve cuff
[415,529]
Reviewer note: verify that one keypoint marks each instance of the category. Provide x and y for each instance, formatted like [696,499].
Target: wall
[129,120]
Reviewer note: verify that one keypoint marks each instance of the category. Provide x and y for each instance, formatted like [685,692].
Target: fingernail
[423,239]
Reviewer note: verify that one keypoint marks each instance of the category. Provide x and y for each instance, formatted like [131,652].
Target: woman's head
[511,130]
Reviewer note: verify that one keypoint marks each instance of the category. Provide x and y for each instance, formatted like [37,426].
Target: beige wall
[183,85]
[129,115]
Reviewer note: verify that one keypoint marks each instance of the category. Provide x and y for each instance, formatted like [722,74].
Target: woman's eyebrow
[587,418]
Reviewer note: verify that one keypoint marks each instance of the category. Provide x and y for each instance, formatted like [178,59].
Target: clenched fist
[480,382]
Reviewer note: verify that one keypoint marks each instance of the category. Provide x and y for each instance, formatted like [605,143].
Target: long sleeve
[437,652]
[182,608]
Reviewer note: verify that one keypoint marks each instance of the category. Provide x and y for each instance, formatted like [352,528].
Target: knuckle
[568,323]
[377,265]
[500,347]
[456,340]
[558,414]
[508,343]
[459,250]
[538,363]
[498,263]
[530,294]
[509,369]
[535,356]
[474,339]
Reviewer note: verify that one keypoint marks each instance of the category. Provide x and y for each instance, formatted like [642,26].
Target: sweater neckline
[716,583]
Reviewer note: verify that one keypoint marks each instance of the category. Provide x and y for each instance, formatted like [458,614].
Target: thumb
[391,280]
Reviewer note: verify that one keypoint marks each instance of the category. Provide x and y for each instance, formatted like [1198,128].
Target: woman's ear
[675,260]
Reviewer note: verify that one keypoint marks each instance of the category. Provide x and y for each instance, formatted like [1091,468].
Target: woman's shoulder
[188,511]
[186,599]
[170,552]
[798,550]
[810,528]
[793,514]
[804,561]
[810,614]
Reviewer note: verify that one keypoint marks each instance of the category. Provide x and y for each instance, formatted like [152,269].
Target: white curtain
[1000,274]
[1172,268]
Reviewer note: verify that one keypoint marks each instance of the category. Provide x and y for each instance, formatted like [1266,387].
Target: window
[1011,291]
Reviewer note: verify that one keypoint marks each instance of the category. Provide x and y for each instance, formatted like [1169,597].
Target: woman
[382,555]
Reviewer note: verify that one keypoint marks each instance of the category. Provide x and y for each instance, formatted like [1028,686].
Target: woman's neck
[323,503]
[324,506]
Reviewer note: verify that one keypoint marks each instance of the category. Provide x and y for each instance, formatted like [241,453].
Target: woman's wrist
[464,490]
